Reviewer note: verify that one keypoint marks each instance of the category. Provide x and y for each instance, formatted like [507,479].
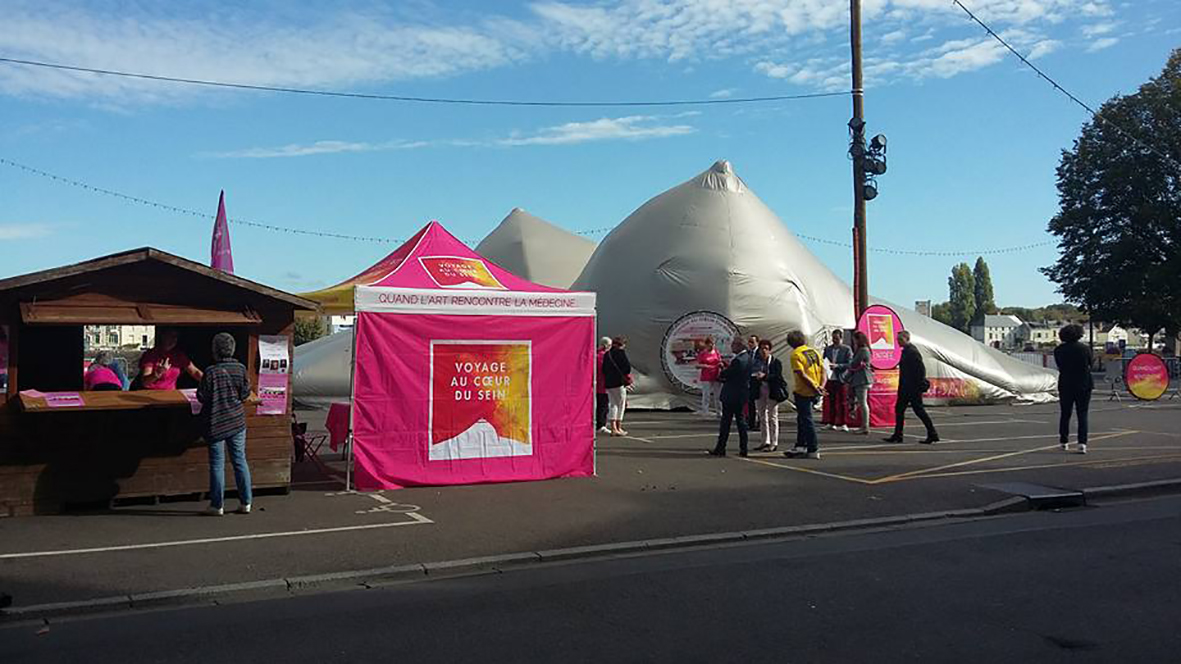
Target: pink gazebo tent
[465,373]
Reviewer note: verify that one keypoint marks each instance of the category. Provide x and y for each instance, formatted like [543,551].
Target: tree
[961,297]
[1119,222]
[942,312]
[985,302]
[309,329]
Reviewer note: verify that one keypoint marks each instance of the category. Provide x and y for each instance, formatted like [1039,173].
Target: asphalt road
[1095,584]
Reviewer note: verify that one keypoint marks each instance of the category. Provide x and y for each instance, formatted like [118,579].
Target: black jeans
[601,405]
[914,401]
[1079,402]
[732,410]
[805,423]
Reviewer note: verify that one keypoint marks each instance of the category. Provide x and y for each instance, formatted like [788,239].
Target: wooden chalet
[133,443]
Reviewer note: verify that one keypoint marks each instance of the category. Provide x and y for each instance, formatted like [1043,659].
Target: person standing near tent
[617,377]
[709,361]
[736,379]
[912,383]
[1074,384]
[860,378]
[224,390]
[772,391]
[602,404]
[807,369]
[752,408]
[836,401]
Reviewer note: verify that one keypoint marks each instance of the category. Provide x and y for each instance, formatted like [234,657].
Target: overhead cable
[381,240]
[1095,114]
[420,100]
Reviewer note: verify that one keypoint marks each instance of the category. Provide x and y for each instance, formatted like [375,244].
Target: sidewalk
[657,483]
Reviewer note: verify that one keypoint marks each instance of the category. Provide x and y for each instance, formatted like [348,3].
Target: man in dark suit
[912,383]
[735,395]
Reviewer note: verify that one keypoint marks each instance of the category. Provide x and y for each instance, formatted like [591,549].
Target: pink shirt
[600,386]
[176,357]
[709,360]
[100,375]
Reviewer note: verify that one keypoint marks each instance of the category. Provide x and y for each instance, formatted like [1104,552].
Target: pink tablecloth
[337,425]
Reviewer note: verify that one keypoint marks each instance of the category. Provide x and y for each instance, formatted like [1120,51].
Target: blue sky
[974,138]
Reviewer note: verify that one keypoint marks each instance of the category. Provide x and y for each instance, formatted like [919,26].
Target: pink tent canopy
[466,373]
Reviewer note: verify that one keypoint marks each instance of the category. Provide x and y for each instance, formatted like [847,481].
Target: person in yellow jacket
[807,370]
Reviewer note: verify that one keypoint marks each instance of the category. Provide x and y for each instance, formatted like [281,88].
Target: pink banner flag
[222,258]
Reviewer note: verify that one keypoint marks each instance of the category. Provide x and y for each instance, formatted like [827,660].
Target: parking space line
[1090,462]
[995,457]
[810,471]
[416,519]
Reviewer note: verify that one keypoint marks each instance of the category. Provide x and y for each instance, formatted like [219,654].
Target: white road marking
[416,519]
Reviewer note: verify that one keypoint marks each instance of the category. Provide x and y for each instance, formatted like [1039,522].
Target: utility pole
[857,152]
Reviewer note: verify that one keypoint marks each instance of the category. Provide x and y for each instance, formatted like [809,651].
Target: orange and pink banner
[465,399]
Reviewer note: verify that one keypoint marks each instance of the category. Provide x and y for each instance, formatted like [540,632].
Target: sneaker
[795,451]
[215,511]
[1082,449]
[604,430]
[828,427]
[1063,446]
[813,455]
[244,509]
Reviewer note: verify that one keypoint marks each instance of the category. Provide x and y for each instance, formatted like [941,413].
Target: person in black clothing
[912,383]
[752,407]
[1074,384]
[735,394]
[616,376]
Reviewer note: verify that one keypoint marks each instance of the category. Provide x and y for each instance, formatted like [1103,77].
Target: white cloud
[1097,29]
[24,231]
[630,128]
[316,148]
[722,94]
[1100,44]
[306,47]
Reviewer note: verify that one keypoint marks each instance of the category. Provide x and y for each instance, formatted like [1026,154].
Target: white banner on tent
[473,302]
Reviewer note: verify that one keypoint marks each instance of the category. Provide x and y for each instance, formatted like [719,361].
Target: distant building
[1000,331]
[340,323]
[923,307]
[1110,335]
[1041,334]
[115,337]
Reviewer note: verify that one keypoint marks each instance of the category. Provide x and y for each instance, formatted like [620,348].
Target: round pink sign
[882,326]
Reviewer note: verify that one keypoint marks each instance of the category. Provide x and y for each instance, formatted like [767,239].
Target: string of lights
[1095,114]
[421,100]
[381,240]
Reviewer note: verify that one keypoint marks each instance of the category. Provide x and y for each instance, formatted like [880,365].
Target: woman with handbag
[860,377]
[617,377]
[772,391]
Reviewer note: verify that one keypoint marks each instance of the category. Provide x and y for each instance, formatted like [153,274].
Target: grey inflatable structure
[708,245]
[537,250]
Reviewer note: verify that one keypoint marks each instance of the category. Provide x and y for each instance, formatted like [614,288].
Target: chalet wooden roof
[148,254]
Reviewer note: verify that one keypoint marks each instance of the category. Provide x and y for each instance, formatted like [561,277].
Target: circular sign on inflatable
[1147,377]
[685,337]
[882,326]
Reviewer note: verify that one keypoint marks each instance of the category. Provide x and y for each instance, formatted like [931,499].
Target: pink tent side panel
[443,399]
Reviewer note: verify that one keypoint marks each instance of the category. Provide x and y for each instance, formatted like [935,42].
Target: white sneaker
[1082,449]
[244,509]
[828,427]
[845,427]
[1063,446]
[604,430]
[215,511]
[813,455]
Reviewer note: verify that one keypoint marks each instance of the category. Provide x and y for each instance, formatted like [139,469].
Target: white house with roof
[1000,331]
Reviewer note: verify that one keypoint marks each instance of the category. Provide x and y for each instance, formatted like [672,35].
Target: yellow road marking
[809,471]
[1095,462]
[995,457]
